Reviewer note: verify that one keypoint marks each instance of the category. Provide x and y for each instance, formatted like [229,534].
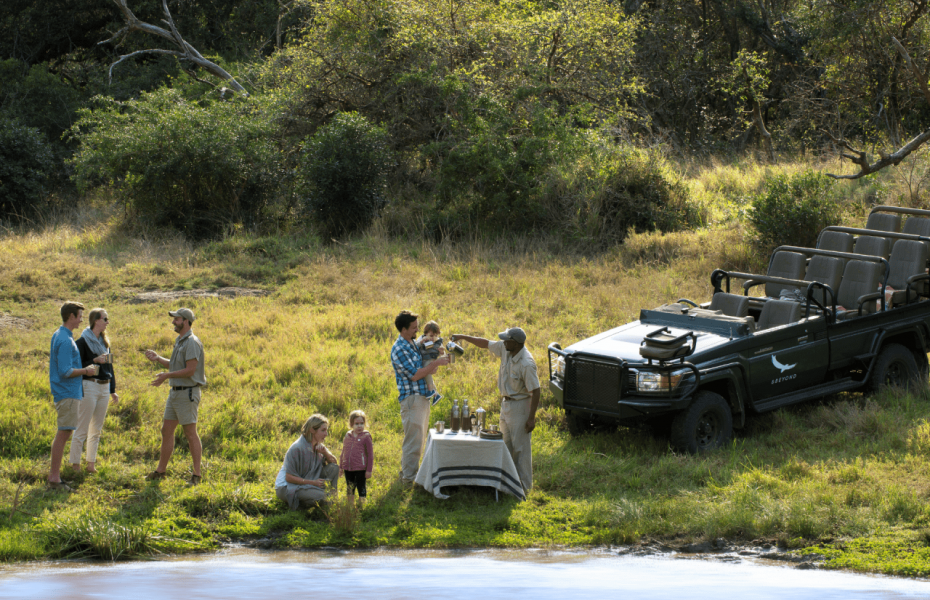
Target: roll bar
[902,210]
[874,232]
[834,254]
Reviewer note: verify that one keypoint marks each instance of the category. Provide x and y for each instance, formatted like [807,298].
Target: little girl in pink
[358,456]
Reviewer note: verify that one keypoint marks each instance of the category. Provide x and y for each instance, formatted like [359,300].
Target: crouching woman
[308,467]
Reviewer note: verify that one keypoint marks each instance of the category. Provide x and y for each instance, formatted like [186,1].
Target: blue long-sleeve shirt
[64,357]
[407,361]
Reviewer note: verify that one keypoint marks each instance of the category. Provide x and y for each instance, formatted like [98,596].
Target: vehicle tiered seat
[917,226]
[871,245]
[860,279]
[884,222]
[827,270]
[836,241]
[908,259]
[778,312]
[787,265]
[732,305]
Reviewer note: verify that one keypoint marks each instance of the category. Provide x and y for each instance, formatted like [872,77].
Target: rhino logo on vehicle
[782,367]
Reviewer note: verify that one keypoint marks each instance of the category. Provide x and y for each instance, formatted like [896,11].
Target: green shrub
[200,168]
[38,97]
[342,174]
[792,210]
[491,172]
[609,190]
[637,191]
[26,161]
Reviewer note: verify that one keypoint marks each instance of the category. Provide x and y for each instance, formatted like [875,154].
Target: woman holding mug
[99,389]
[308,466]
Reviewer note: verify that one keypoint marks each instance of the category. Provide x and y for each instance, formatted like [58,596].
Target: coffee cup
[94,369]
[109,358]
[440,426]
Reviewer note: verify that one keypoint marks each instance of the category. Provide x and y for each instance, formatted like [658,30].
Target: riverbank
[846,478]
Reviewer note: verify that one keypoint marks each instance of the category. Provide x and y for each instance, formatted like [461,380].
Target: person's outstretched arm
[476,341]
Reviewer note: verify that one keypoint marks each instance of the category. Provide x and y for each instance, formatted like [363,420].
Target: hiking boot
[59,486]
[156,475]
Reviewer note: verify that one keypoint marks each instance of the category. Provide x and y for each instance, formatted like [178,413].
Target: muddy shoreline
[718,550]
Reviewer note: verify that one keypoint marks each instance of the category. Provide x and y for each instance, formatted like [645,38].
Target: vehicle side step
[833,387]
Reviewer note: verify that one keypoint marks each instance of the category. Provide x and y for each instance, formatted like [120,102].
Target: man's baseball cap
[184,313]
[514,333]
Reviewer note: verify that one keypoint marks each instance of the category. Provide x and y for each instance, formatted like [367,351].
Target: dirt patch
[227,292]
[11,322]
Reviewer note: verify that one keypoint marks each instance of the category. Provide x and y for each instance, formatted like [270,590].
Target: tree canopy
[484,101]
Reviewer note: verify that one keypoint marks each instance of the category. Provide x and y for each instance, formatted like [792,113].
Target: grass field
[847,478]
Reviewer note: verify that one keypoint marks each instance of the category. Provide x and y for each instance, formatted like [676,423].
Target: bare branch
[138,52]
[185,52]
[862,158]
[121,33]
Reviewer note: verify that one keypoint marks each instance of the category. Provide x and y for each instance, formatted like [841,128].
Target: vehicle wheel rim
[707,430]
[897,374]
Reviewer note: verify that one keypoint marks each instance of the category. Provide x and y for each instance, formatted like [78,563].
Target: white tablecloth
[462,459]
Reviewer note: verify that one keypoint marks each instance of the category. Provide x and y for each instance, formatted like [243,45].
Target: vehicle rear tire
[894,367]
[705,425]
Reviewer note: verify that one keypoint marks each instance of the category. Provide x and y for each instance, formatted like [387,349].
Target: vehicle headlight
[651,381]
[560,367]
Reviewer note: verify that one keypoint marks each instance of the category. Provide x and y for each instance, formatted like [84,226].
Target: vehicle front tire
[705,425]
[894,367]
[581,423]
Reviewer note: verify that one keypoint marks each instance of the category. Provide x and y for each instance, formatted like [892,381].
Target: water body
[476,575]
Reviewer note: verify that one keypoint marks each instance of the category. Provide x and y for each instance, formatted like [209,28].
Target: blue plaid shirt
[406,359]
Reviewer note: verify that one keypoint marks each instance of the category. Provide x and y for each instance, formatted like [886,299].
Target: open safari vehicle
[852,313]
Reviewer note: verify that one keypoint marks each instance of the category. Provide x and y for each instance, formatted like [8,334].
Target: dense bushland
[26,163]
[198,167]
[493,111]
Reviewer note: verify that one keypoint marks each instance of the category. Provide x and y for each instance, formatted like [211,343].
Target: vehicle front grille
[593,384]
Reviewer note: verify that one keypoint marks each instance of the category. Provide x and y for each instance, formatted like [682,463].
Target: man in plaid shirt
[411,387]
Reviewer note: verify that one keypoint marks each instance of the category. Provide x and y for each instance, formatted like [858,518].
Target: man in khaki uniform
[518,384]
[185,370]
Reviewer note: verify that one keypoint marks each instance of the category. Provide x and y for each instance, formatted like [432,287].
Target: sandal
[194,480]
[156,475]
[59,486]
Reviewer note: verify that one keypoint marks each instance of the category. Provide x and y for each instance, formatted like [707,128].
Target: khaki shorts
[67,410]
[182,406]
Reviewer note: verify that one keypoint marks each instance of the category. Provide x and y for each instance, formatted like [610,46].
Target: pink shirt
[358,453]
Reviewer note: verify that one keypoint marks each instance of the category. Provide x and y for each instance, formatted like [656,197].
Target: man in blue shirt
[410,375]
[64,375]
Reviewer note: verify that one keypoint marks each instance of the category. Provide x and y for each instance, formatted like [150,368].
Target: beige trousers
[514,414]
[414,415]
[312,495]
[92,411]
[429,378]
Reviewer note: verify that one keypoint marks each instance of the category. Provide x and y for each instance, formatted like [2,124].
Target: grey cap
[184,313]
[514,333]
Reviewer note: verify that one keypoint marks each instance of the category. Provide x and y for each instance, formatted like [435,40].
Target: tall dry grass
[319,342]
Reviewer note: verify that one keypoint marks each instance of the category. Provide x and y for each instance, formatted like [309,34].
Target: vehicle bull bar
[625,367]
